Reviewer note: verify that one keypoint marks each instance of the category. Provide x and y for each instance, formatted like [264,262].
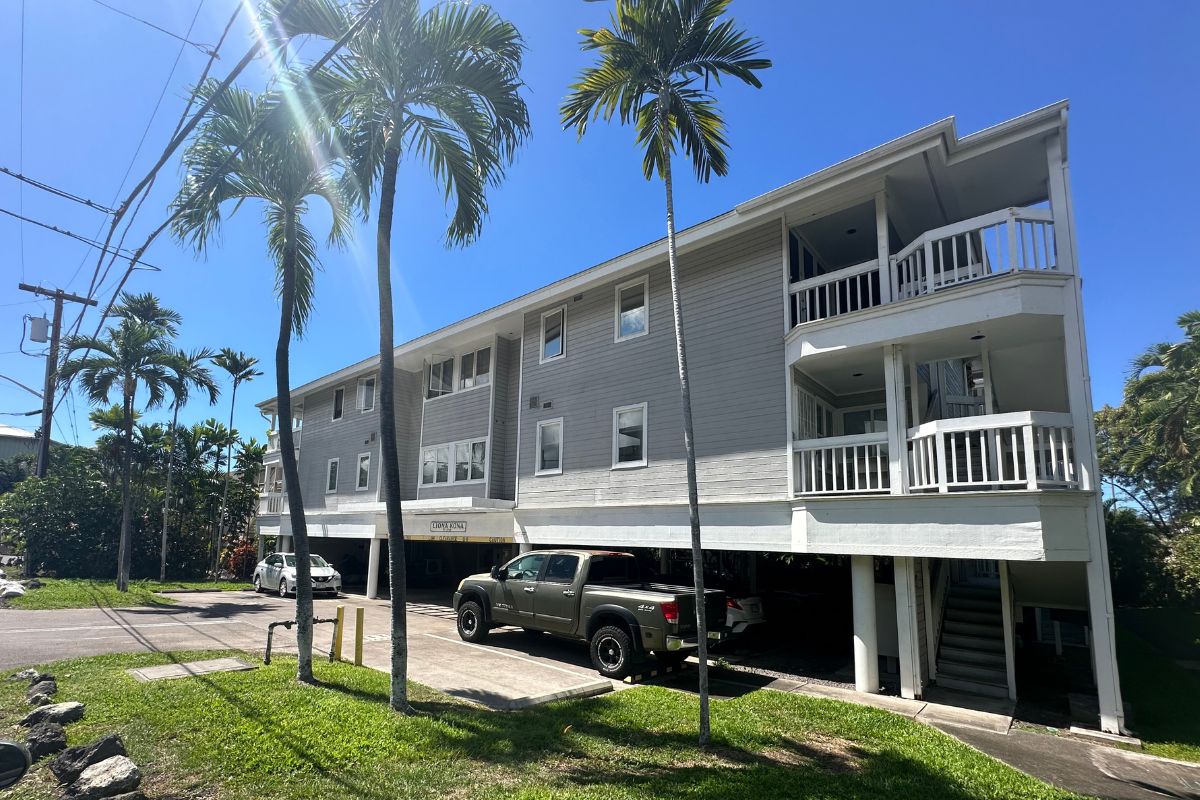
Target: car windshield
[316,561]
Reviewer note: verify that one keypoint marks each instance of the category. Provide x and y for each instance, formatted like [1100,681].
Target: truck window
[526,568]
[612,569]
[561,568]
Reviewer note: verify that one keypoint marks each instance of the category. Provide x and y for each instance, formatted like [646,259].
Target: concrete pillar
[373,569]
[1010,643]
[866,647]
[261,543]
[907,634]
[283,544]
[524,547]
[893,383]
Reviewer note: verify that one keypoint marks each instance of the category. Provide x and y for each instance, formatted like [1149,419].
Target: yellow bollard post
[358,635]
[335,652]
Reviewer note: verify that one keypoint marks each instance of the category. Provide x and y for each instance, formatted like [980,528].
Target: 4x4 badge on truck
[645,607]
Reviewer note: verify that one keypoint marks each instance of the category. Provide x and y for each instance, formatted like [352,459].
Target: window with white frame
[331,476]
[629,436]
[549,447]
[454,462]
[554,335]
[339,402]
[632,309]
[475,369]
[366,394]
[441,378]
[364,472]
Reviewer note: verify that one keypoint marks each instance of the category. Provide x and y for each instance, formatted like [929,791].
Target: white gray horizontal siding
[324,438]
[453,418]
[733,303]
[503,458]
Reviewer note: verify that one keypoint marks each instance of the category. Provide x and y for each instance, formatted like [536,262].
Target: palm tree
[651,62]
[241,369]
[189,372]
[128,355]
[145,308]
[441,86]
[279,163]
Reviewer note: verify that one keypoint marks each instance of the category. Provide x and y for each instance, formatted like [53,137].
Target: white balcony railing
[842,292]
[842,464]
[1005,240]
[1022,450]
[1002,241]
[271,503]
[273,440]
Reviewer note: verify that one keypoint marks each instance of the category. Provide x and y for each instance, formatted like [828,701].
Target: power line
[60,192]
[21,138]
[80,238]
[203,48]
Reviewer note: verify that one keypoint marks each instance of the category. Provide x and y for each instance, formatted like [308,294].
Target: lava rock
[56,712]
[71,763]
[112,776]
[45,738]
[38,700]
[46,687]
[31,675]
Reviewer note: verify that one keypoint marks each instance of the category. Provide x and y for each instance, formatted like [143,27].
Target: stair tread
[969,642]
[966,655]
[972,687]
[974,672]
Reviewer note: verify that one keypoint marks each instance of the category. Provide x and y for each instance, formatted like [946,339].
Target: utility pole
[58,295]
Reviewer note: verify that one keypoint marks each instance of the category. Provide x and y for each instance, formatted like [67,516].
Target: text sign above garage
[447,526]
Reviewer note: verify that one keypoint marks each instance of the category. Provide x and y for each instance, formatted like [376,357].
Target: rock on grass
[71,763]
[56,712]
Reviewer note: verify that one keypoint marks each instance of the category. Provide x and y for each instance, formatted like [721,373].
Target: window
[364,472]
[435,465]
[469,464]
[629,436]
[554,339]
[441,378]
[331,476]
[475,369]
[366,394]
[561,568]
[633,319]
[526,568]
[864,420]
[274,560]
[549,447]
[339,402]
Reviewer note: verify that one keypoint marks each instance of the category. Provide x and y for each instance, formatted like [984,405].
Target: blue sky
[847,76]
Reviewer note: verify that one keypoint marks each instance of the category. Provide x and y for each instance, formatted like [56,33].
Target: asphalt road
[510,669]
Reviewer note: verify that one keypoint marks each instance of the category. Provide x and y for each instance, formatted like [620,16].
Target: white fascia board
[941,133]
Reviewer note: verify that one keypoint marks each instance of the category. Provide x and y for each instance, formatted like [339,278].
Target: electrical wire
[203,48]
[78,237]
[55,191]
[21,138]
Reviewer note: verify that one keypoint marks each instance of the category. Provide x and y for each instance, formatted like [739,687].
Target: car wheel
[283,590]
[257,585]
[612,652]
[471,624]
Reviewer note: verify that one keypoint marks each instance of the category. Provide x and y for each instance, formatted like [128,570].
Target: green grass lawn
[79,593]
[1165,696]
[261,735]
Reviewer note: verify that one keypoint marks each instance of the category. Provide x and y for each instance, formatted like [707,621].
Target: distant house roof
[8,431]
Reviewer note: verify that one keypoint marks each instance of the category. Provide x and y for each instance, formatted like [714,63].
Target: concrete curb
[590,689]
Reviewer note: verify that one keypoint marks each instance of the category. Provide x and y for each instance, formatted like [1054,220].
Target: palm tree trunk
[291,475]
[390,474]
[225,491]
[689,446]
[162,562]
[124,556]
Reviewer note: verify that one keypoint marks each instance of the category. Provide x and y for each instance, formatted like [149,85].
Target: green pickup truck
[590,595]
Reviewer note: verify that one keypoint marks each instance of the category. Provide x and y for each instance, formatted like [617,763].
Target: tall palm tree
[127,355]
[146,308]
[189,371]
[655,65]
[441,86]
[241,369]
[281,164]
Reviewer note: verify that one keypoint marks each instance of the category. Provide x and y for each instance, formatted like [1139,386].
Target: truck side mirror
[14,763]
[499,574]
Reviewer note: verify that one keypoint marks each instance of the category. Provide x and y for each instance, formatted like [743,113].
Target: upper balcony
[1004,241]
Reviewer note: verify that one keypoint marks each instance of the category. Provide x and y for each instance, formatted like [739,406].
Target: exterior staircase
[971,650]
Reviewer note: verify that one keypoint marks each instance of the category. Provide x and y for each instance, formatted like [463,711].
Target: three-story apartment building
[888,362]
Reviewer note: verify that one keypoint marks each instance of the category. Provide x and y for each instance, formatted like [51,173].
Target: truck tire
[471,624]
[612,652]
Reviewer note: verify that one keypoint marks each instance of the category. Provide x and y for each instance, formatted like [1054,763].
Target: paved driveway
[512,669]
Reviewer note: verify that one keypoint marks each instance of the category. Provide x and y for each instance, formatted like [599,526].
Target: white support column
[1006,619]
[284,544]
[893,389]
[524,547]
[1079,395]
[866,645]
[883,248]
[373,568]
[907,635]
[261,544]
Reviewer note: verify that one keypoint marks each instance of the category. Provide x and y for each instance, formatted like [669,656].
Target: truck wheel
[471,625]
[612,652]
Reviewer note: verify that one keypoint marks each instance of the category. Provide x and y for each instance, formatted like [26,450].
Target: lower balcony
[1025,450]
